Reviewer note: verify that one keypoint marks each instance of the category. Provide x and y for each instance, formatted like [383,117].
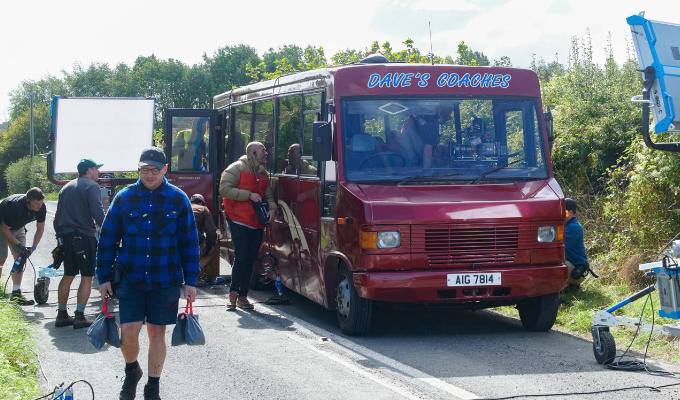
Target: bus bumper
[431,286]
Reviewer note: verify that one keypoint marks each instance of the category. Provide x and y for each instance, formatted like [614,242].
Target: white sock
[16,287]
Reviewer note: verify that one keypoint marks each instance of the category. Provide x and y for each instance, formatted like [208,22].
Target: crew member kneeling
[574,249]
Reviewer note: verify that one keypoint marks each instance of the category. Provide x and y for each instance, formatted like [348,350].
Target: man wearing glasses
[155,226]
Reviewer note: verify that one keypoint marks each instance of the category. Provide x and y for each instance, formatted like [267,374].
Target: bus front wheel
[354,313]
[539,313]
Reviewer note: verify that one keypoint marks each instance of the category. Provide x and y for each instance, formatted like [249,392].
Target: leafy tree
[43,92]
[227,67]
[347,57]
[503,61]
[313,58]
[291,53]
[123,82]
[15,142]
[467,56]
[546,71]
[595,121]
[94,81]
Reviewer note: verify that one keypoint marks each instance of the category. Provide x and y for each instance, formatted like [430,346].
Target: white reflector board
[111,131]
[658,46]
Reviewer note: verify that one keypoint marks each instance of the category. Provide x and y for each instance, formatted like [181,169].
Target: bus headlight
[547,234]
[389,239]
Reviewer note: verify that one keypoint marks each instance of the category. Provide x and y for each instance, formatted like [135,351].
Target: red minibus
[405,183]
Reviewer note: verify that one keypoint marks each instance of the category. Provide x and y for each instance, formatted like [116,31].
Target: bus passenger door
[190,142]
[286,230]
[308,205]
[308,213]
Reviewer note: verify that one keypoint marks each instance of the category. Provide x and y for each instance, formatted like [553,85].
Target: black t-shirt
[14,212]
[418,132]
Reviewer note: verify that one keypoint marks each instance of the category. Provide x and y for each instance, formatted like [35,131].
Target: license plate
[476,279]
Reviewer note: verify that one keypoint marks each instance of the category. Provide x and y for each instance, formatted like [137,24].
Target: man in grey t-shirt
[78,209]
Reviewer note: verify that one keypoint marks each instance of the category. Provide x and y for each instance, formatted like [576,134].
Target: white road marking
[356,368]
[350,346]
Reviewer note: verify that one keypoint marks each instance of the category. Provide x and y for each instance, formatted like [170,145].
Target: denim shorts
[158,306]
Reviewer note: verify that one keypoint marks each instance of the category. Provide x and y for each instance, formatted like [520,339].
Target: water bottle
[68,394]
[49,272]
[17,262]
[279,286]
[58,393]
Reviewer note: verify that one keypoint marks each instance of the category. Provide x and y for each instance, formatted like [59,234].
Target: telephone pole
[32,146]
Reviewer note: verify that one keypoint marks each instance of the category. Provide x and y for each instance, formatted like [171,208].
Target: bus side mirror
[549,127]
[322,141]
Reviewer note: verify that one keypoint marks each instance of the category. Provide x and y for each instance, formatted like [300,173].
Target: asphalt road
[296,351]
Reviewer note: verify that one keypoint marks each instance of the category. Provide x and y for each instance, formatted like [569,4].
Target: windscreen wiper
[491,171]
[425,178]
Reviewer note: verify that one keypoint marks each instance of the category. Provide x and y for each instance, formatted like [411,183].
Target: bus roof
[392,78]
[292,83]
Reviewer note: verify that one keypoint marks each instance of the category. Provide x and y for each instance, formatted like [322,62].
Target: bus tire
[539,313]
[353,312]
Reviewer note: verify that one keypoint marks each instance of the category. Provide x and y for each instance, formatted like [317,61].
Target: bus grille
[456,244]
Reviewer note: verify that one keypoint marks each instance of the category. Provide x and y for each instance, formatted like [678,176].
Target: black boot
[63,319]
[80,321]
[151,392]
[19,298]
[129,389]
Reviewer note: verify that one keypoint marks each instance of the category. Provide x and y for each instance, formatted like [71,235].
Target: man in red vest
[243,183]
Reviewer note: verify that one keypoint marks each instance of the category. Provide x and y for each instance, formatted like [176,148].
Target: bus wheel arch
[354,313]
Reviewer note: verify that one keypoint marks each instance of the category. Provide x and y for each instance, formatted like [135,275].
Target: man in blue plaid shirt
[153,222]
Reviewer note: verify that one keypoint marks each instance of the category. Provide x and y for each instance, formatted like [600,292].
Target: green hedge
[23,174]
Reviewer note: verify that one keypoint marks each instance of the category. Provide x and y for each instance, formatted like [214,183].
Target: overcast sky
[40,38]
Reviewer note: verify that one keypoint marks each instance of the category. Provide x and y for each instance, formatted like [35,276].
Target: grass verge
[578,308]
[52,196]
[18,362]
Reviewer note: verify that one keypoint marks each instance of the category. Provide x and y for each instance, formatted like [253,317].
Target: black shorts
[79,255]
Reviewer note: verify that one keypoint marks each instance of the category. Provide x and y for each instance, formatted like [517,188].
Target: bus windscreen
[439,141]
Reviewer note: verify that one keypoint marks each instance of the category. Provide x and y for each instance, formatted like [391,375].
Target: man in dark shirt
[574,248]
[420,134]
[16,211]
[78,209]
[207,241]
[153,222]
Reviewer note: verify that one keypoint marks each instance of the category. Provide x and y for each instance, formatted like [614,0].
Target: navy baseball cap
[152,156]
[198,198]
[87,163]
[570,204]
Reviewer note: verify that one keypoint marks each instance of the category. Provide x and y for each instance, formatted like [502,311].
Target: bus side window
[242,119]
[312,108]
[264,128]
[288,143]
[226,143]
